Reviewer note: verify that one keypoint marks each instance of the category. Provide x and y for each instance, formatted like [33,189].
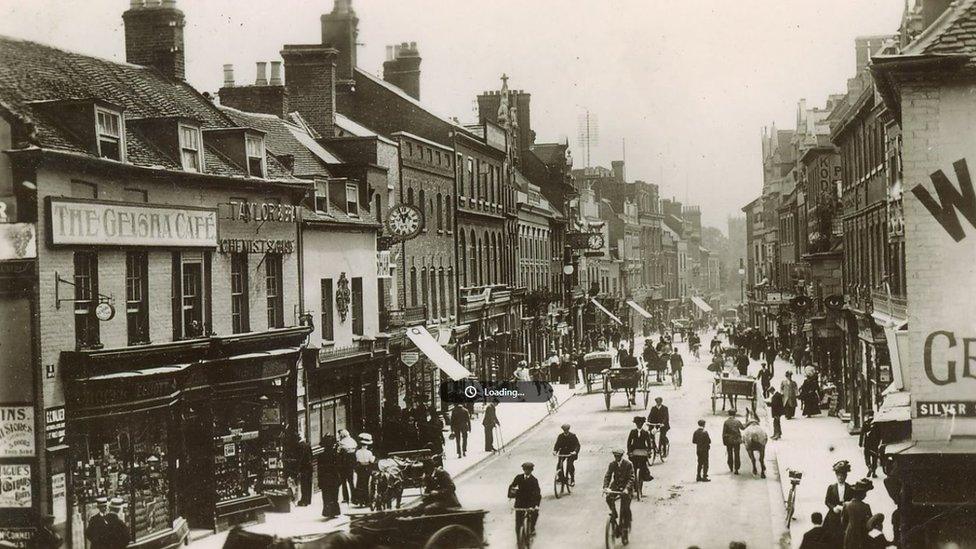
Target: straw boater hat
[842,466]
[365,438]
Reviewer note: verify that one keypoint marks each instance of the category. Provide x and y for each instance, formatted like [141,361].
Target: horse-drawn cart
[413,466]
[629,380]
[731,388]
[427,529]
[593,366]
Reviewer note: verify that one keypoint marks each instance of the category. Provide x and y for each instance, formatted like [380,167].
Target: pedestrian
[732,439]
[522,372]
[810,396]
[702,443]
[771,350]
[524,489]
[329,476]
[870,440]
[47,537]
[97,530]
[816,537]
[876,537]
[855,517]
[434,435]
[838,494]
[116,529]
[776,410]
[460,427]
[347,464]
[677,363]
[742,363]
[789,390]
[765,379]
[304,466]
[365,461]
[489,422]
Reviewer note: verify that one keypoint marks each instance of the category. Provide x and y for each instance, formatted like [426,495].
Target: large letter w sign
[950,200]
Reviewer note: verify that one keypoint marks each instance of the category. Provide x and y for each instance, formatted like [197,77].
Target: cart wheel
[454,536]
[606,398]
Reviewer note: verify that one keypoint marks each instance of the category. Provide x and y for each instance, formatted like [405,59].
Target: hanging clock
[404,221]
[596,241]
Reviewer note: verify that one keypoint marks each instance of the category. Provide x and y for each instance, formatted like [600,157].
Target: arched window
[422,204]
[442,291]
[377,208]
[451,293]
[463,253]
[435,311]
[448,213]
[413,286]
[410,196]
[480,265]
[425,290]
[488,259]
[494,259]
[472,275]
[440,212]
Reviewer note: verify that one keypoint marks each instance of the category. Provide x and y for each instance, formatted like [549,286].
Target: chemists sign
[95,223]
[16,431]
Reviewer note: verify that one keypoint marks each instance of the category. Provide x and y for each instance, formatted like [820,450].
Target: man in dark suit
[659,415]
[777,410]
[489,421]
[460,427]
[619,478]
[837,495]
[732,439]
[118,531]
[527,494]
[816,537]
[702,443]
[97,531]
[567,444]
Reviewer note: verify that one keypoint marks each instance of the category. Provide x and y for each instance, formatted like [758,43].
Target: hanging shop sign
[256,246]
[409,358]
[383,264]
[54,426]
[255,212]
[17,537]
[96,223]
[15,486]
[18,241]
[16,431]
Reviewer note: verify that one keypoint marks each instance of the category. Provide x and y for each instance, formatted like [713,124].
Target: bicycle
[639,471]
[795,477]
[614,530]
[661,446]
[561,484]
[524,528]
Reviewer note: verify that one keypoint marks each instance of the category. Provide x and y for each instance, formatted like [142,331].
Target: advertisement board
[99,223]
[16,431]
[15,486]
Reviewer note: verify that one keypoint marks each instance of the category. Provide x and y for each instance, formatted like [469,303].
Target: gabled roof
[283,137]
[34,77]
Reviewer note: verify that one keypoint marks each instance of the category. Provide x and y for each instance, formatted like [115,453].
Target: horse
[754,439]
[386,485]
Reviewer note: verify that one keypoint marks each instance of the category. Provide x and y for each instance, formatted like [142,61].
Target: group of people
[849,522]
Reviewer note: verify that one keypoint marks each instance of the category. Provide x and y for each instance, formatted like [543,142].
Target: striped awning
[705,307]
[640,310]
[607,312]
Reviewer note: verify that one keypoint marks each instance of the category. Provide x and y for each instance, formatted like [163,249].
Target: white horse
[754,439]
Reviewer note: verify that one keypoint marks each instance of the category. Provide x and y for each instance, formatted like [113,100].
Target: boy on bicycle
[568,445]
[619,478]
[527,494]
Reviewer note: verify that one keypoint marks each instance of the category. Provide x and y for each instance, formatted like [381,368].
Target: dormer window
[255,155]
[190,148]
[109,128]
[322,197]
[352,199]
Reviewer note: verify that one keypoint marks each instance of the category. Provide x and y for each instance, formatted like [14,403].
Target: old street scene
[417,274]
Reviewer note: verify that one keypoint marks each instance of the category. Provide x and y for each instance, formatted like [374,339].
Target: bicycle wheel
[790,506]
[557,485]
[665,448]
[611,534]
[522,537]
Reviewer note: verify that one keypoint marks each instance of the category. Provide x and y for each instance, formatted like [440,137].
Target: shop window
[254,146]
[126,457]
[109,128]
[275,284]
[352,199]
[191,294]
[86,298]
[328,326]
[357,305]
[190,150]
[327,417]
[239,315]
[137,296]
[247,448]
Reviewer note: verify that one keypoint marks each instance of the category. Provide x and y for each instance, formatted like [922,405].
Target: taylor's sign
[93,223]
[16,431]
[248,212]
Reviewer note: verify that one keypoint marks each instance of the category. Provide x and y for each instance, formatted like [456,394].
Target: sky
[680,89]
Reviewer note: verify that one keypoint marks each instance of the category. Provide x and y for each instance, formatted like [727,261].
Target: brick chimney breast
[340,29]
[403,68]
[154,36]
[310,80]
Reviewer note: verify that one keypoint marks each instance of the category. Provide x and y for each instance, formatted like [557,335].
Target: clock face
[405,221]
[596,241]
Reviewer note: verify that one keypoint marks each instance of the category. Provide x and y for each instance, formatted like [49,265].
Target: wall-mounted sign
[956,408]
[18,241]
[104,311]
[15,486]
[59,497]
[94,223]
[256,246]
[409,358]
[16,431]
[54,425]
[250,212]
[17,537]
[383,264]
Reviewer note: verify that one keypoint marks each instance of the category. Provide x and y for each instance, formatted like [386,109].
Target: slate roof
[953,33]
[33,76]
[284,137]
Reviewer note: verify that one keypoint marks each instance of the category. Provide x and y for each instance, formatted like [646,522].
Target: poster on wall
[16,431]
[17,537]
[15,486]
[59,498]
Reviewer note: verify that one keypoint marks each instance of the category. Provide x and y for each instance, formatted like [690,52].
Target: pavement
[515,420]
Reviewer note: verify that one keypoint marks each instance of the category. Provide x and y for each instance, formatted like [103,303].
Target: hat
[101,500]
[618,452]
[638,419]
[565,427]
[365,438]
[876,522]
[863,485]
[528,465]
[842,466]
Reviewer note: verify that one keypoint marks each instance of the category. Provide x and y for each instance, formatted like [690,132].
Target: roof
[953,33]
[356,129]
[287,138]
[33,76]
[396,90]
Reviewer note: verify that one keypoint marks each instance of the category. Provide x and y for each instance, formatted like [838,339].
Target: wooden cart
[734,387]
[630,380]
[416,528]
[413,465]
[594,364]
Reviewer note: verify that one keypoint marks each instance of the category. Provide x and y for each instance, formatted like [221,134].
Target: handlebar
[615,492]
[566,455]
[536,508]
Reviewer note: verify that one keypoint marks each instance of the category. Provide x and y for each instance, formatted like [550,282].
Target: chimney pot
[276,74]
[228,75]
[413,46]
[396,51]
[262,74]
[169,4]
[136,4]
[389,53]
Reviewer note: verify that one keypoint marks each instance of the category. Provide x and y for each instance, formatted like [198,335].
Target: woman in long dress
[810,396]
[329,476]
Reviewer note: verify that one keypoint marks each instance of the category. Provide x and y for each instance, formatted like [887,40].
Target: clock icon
[405,221]
[596,241]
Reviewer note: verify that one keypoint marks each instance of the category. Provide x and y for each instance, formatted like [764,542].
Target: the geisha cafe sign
[101,223]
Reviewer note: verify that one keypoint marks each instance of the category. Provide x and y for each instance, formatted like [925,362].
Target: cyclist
[567,444]
[694,343]
[659,415]
[639,443]
[619,478]
[525,490]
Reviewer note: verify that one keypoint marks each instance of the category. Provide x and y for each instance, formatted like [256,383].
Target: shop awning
[705,307]
[606,311]
[440,357]
[640,310]
[138,389]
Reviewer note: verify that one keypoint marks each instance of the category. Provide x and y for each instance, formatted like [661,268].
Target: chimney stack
[228,75]
[276,74]
[311,84]
[262,74]
[154,36]
[403,70]
[340,29]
